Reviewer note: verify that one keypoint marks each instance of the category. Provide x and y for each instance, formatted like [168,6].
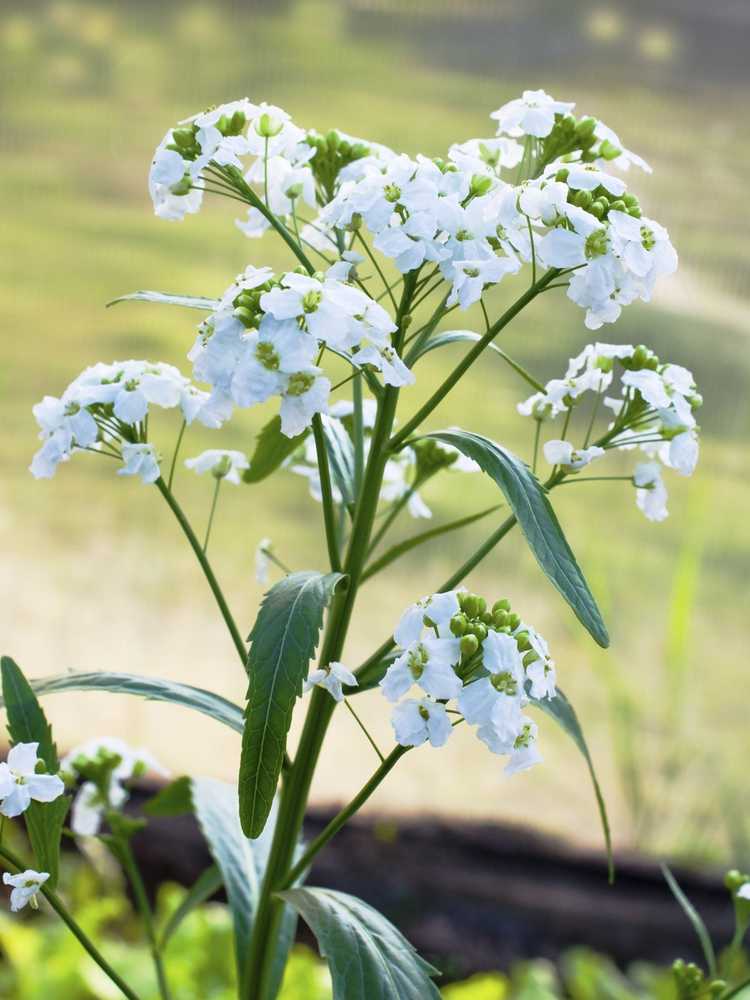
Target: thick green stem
[205,565]
[468,360]
[296,788]
[61,910]
[345,815]
[326,490]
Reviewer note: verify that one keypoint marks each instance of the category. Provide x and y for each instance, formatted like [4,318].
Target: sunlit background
[95,574]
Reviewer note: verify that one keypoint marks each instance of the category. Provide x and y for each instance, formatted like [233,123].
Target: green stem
[468,360]
[61,910]
[214,501]
[326,490]
[208,572]
[358,429]
[344,816]
[125,856]
[393,513]
[374,262]
[537,434]
[296,788]
[175,453]
[596,479]
[364,729]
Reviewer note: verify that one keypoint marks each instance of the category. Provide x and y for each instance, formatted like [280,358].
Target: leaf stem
[61,910]
[175,453]
[344,816]
[124,854]
[468,360]
[326,490]
[206,567]
[214,501]
[364,729]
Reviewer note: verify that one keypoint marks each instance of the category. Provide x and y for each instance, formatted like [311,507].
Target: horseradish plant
[382,247]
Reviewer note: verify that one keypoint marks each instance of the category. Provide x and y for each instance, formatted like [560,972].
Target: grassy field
[94,574]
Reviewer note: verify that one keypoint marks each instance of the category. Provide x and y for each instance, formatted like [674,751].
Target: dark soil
[473,897]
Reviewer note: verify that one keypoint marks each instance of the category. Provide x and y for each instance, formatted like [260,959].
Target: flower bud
[585,128]
[480,185]
[502,605]
[267,126]
[599,208]
[514,621]
[500,619]
[245,316]
[182,187]
[469,604]
[458,624]
[479,629]
[522,641]
[184,137]
[469,645]
[562,175]
[530,657]
[617,206]
[583,199]
[333,139]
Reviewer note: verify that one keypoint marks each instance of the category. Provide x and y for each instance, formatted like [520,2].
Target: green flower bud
[469,604]
[522,641]
[585,128]
[583,199]
[356,222]
[267,127]
[480,185]
[183,186]
[500,619]
[359,150]
[333,139]
[514,621]
[487,617]
[184,137]
[469,645]
[245,316]
[608,150]
[618,206]
[502,605]
[458,624]
[530,657]
[562,175]
[481,606]
[599,208]
[222,467]
[479,629]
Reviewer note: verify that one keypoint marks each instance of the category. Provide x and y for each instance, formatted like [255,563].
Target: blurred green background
[95,574]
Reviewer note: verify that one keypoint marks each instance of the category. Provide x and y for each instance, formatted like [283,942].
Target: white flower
[223,463]
[651,493]
[414,722]
[92,801]
[643,244]
[20,784]
[411,243]
[588,177]
[531,114]
[140,460]
[25,885]
[433,612]
[486,156]
[544,199]
[332,678]
[305,394]
[650,385]
[500,695]
[562,453]
[744,891]
[470,278]
[262,562]
[521,747]
[612,151]
[543,679]
[428,663]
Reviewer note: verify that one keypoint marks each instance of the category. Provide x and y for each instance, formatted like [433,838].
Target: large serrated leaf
[537,520]
[271,449]
[340,452]
[283,641]
[561,710]
[242,863]
[189,301]
[152,688]
[27,723]
[369,959]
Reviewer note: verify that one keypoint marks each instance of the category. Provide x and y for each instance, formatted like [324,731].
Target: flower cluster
[267,334]
[20,784]
[655,413]
[103,766]
[484,660]
[105,410]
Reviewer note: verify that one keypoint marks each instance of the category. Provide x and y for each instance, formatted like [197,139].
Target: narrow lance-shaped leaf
[189,301]
[271,449]
[537,520]
[283,641]
[369,959]
[447,337]
[152,688]
[560,709]
[27,723]
[242,863]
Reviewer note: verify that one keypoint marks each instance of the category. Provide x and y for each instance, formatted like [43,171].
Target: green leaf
[561,710]
[458,336]
[175,799]
[190,301]
[369,959]
[208,883]
[152,688]
[537,520]
[424,536]
[271,448]
[695,919]
[284,639]
[340,458]
[242,863]
[27,723]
